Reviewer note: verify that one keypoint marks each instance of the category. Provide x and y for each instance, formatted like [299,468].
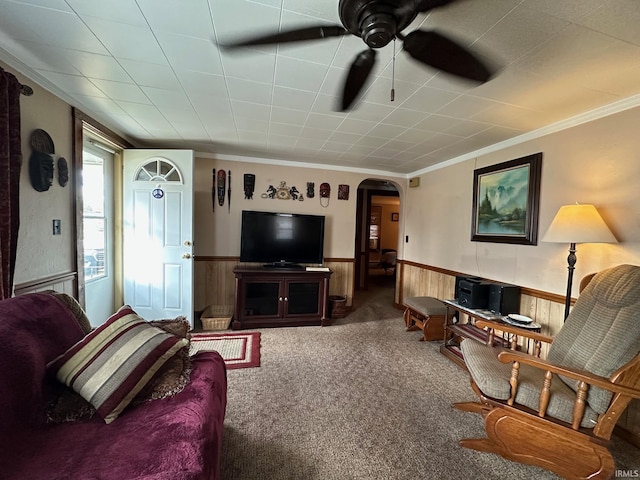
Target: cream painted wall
[217,231]
[40,253]
[597,162]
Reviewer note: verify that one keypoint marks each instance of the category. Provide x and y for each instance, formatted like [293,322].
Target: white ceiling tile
[41,57]
[325,122]
[196,84]
[465,106]
[167,98]
[322,12]
[288,116]
[398,145]
[127,41]
[93,65]
[150,74]
[570,11]
[372,141]
[246,124]
[328,105]
[276,140]
[291,98]
[164,81]
[380,91]
[618,19]
[299,74]
[127,92]
[104,106]
[250,110]
[315,133]
[12,27]
[403,117]
[386,131]
[371,112]
[428,99]
[355,125]
[335,147]
[342,137]
[73,84]
[121,11]
[248,91]
[189,53]
[359,149]
[519,32]
[186,17]
[189,130]
[308,145]
[334,81]
[241,19]
[54,27]
[284,129]
[250,65]
[141,111]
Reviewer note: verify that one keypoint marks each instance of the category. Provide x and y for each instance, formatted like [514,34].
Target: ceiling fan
[378,22]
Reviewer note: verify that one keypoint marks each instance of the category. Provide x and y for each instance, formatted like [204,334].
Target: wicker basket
[216,317]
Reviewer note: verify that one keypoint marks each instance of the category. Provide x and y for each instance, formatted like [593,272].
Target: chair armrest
[589,378]
[521,332]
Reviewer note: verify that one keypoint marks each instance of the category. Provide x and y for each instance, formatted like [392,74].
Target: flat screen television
[281,239]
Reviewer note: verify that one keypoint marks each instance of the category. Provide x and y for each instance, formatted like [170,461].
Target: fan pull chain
[393,71]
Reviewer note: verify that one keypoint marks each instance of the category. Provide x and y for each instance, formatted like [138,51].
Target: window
[94,214]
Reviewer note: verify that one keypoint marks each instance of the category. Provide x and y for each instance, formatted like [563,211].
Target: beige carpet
[362,399]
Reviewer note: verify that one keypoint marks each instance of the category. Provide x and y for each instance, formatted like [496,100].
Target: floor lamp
[577,224]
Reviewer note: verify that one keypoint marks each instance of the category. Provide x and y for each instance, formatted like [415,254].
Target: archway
[377,233]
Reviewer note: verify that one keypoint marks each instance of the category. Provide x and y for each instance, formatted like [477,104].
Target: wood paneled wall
[214,282]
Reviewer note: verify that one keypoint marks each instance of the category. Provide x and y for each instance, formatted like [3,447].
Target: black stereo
[473,294]
[460,278]
[504,299]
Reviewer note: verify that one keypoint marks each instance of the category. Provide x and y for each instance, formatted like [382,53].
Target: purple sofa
[174,438]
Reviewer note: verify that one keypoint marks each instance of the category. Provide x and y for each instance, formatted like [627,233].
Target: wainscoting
[64,283]
[214,282]
[545,308]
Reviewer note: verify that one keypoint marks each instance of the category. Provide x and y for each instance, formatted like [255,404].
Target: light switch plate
[57,229]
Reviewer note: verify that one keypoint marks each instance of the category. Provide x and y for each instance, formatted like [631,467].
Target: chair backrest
[602,332]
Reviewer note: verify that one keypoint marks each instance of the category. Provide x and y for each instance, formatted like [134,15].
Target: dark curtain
[10,164]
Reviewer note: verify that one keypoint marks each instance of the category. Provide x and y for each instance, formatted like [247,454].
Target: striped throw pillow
[114,362]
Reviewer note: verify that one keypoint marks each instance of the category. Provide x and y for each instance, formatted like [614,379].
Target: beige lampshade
[578,224]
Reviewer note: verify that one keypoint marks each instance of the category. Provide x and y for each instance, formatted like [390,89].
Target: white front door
[158,233]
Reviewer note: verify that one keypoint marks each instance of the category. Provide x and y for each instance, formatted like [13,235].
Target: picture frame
[395,217]
[506,199]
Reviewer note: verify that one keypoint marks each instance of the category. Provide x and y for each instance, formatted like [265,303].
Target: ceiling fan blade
[358,74]
[421,6]
[426,5]
[444,54]
[317,32]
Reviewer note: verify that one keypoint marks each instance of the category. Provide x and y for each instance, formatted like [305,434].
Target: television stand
[280,297]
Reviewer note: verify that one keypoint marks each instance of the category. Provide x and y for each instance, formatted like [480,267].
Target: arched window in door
[158,169]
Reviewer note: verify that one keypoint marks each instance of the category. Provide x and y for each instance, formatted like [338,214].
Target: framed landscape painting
[505,201]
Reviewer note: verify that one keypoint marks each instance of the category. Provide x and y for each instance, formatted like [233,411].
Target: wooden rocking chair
[559,413]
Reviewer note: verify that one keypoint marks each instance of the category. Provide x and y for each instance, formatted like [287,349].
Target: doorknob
[186,255]
[187,243]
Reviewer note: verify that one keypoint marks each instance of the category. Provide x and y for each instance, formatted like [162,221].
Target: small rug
[239,350]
